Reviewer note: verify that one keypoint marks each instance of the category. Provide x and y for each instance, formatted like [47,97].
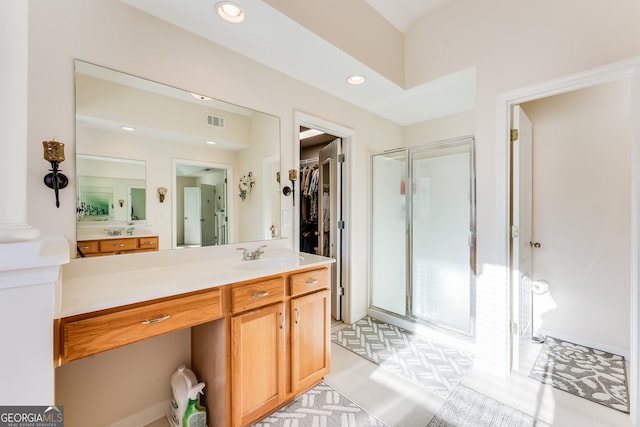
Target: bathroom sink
[269,263]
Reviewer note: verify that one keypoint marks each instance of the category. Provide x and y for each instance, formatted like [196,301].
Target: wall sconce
[293,177]
[54,153]
[161,192]
[245,186]
[121,201]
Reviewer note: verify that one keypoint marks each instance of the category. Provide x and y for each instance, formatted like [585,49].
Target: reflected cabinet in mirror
[176,168]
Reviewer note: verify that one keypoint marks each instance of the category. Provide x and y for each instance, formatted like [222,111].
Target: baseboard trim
[626,353]
[145,416]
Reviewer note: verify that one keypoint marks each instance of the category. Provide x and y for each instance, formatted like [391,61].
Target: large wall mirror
[159,161]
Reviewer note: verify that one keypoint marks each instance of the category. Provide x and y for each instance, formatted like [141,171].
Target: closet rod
[307,161]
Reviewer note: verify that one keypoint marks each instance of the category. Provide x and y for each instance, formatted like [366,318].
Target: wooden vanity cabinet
[257,363]
[257,345]
[91,333]
[278,349]
[101,247]
[310,340]
[257,348]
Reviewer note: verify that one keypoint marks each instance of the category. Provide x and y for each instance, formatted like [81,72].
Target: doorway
[627,71]
[200,204]
[578,260]
[322,224]
[320,205]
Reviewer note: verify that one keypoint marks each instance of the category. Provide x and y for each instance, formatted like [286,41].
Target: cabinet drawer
[148,243]
[309,281]
[258,294]
[114,245]
[101,332]
[89,246]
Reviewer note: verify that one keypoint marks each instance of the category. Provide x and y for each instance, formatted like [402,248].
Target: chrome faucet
[249,256]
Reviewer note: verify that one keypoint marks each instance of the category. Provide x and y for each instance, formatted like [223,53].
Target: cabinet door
[310,339]
[257,363]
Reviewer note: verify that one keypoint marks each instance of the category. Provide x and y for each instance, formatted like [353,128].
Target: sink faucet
[248,255]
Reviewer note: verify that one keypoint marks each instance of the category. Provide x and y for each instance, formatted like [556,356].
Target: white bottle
[181,383]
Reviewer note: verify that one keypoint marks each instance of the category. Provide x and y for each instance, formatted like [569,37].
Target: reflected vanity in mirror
[135,137]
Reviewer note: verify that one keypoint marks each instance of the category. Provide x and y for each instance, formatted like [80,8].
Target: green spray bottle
[195,415]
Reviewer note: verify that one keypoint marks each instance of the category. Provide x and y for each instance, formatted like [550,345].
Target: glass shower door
[389,232]
[442,236]
[423,234]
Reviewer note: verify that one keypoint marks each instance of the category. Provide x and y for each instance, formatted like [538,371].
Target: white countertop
[91,284]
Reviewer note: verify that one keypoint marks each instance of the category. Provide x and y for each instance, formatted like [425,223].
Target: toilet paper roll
[540,287]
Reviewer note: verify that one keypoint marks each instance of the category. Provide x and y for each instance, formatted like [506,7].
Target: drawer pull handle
[147,243]
[156,320]
[312,282]
[84,247]
[260,294]
[118,245]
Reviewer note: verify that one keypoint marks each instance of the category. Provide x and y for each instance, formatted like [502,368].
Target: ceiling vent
[216,121]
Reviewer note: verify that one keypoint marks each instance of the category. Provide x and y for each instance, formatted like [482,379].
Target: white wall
[581,212]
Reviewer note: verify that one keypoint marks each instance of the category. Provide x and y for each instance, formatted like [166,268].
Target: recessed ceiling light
[128,128]
[210,142]
[356,79]
[202,97]
[230,12]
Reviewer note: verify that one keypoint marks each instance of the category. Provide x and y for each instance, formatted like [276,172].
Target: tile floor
[400,403]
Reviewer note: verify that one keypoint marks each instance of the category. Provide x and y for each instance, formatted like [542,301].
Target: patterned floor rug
[466,407]
[320,406]
[592,374]
[435,367]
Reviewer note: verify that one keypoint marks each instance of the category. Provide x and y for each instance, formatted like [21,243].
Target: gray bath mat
[320,406]
[585,372]
[435,367]
[466,407]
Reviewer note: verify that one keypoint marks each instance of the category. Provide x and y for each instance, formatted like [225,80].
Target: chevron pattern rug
[466,407]
[435,367]
[320,406]
[583,371]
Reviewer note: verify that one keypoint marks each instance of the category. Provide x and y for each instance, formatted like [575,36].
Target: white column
[14,31]
[29,267]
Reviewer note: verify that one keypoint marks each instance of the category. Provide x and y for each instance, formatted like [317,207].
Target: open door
[521,232]
[192,226]
[330,223]
[207,214]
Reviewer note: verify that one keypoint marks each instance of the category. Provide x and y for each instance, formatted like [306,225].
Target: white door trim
[348,138]
[628,69]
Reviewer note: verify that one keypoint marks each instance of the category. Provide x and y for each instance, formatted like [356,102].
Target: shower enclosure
[423,234]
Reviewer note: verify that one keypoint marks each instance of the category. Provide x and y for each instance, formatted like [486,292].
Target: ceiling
[402,13]
[268,36]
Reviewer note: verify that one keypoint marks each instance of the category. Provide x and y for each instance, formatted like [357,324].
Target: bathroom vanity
[113,241]
[260,329]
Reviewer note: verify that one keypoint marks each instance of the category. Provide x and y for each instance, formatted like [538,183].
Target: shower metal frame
[408,157]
